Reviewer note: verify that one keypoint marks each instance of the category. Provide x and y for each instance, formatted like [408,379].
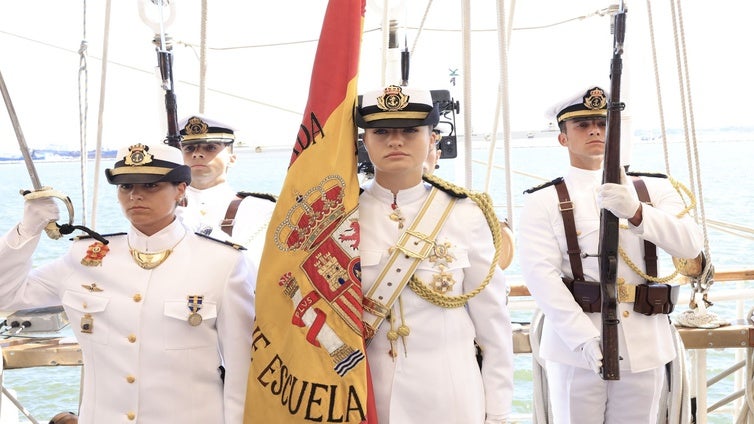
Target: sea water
[720,164]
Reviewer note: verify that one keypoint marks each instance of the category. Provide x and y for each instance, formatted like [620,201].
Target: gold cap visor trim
[394,115]
[225,137]
[580,113]
[156,170]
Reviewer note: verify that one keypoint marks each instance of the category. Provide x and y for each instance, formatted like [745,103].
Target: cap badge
[196,126]
[595,99]
[139,155]
[393,99]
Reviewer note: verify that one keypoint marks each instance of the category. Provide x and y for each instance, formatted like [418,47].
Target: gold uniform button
[137,297]
[131,416]
[625,314]
[621,280]
[132,338]
[130,379]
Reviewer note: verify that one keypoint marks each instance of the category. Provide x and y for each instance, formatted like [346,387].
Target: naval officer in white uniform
[213,206]
[160,312]
[422,355]
[570,341]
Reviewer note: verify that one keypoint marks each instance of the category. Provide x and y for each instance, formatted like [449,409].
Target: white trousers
[580,396]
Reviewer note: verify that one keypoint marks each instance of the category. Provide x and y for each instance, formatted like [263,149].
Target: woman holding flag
[432,290]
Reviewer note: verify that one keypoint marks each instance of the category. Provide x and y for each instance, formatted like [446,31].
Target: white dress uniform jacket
[435,378]
[143,361]
[206,210]
[645,341]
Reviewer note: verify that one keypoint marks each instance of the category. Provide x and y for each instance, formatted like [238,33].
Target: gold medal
[194,319]
[194,305]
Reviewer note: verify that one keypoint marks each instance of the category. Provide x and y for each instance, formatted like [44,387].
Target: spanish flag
[308,356]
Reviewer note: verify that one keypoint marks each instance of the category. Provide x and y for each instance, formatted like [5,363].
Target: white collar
[403,197]
[166,238]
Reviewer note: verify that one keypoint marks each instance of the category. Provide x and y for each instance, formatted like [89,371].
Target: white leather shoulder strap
[414,245]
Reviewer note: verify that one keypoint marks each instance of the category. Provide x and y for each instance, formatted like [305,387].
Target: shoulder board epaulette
[541,186]
[266,196]
[87,236]
[446,186]
[646,174]
[225,242]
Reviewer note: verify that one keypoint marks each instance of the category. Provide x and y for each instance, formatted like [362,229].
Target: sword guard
[52,229]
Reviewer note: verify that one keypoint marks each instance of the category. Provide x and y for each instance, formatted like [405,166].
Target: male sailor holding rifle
[558,226]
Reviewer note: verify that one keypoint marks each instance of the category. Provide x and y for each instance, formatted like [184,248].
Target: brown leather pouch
[655,298]
[586,293]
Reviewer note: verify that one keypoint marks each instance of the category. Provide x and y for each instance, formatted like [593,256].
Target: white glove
[37,214]
[618,199]
[592,354]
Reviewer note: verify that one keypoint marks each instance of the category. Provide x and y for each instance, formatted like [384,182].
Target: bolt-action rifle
[608,242]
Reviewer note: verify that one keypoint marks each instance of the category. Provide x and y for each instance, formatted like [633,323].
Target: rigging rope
[660,103]
[700,285]
[466,31]
[101,111]
[704,282]
[203,59]
[83,86]
[421,26]
[503,106]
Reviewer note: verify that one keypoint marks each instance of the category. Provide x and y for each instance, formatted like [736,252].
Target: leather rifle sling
[230,216]
[650,250]
[565,206]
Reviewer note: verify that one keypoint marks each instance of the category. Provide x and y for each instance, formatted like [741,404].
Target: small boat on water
[266,95]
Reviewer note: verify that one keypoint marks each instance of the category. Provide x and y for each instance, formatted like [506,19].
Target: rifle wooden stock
[608,242]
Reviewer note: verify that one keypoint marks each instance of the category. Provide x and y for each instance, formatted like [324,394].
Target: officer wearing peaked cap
[559,223]
[421,355]
[212,205]
[156,331]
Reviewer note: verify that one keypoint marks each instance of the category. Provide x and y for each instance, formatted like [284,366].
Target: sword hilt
[52,229]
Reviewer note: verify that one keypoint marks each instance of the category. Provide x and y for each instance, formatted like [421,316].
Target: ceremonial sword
[52,229]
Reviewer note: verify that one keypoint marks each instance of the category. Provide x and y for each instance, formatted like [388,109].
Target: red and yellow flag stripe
[308,358]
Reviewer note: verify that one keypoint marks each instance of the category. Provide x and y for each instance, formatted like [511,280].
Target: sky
[262,90]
